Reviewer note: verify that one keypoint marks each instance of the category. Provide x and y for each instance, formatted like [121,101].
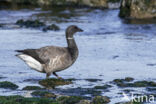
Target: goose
[52,59]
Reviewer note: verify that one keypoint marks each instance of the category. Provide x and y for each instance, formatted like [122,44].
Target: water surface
[109,47]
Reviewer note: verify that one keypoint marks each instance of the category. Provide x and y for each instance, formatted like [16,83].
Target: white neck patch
[69,38]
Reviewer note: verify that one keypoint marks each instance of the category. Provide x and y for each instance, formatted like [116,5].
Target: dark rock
[1,25]
[100,100]
[127,90]
[88,3]
[103,87]
[84,102]
[69,99]
[30,23]
[129,79]
[8,85]
[139,9]
[22,100]
[114,57]
[93,80]
[141,84]
[51,27]
[126,83]
[120,81]
[152,89]
[43,94]
[114,1]
[32,88]
[52,82]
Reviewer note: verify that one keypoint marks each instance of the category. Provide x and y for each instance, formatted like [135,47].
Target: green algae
[127,82]
[100,100]
[8,85]
[45,94]
[30,23]
[32,88]
[69,99]
[22,100]
[51,27]
[52,82]
[103,87]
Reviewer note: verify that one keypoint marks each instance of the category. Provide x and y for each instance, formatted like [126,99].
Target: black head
[72,29]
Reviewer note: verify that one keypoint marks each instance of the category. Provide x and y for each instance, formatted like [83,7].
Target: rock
[114,1]
[69,99]
[119,81]
[100,100]
[93,80]
[36,24]
[143,84]
[22,100]
[52,82]
[43,94]
[84,102]
[30,23]
[152,89]
[1,25]
[51,27]
[126,83]
[128,79]
[8,85]
[89,3]
[32,88]
[103,87]
[139,9]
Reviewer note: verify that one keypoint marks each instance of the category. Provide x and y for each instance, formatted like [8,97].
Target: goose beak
[80,30]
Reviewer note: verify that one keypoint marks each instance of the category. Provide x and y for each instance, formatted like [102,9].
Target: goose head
[71,30]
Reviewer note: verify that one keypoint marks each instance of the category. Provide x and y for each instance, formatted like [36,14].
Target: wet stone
[52,82]
[152,89]
[32,88]
[127,83]
[8,85]
[113,1]
[45,94]
[100,100]
[22,100]
[93,80]
[128,90]
[84,102]
[30,23]
[103,87]
[69,99]
[1,25]
[51,27]
[127,79]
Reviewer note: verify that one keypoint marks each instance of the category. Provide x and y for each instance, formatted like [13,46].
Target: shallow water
[109,47]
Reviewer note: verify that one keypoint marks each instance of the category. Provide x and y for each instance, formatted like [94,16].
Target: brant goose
[51,59]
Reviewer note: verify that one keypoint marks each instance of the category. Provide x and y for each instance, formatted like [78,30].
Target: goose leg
[47,75]
[56,75]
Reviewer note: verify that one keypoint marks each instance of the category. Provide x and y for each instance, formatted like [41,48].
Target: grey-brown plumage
[51,59]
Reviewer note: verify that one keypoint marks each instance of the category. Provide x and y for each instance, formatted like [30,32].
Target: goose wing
[44,54]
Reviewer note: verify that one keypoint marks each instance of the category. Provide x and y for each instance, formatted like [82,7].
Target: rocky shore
[138,9]
[47,92]
[89,3]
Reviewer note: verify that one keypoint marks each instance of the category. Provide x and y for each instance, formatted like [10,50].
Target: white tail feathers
[31,62]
